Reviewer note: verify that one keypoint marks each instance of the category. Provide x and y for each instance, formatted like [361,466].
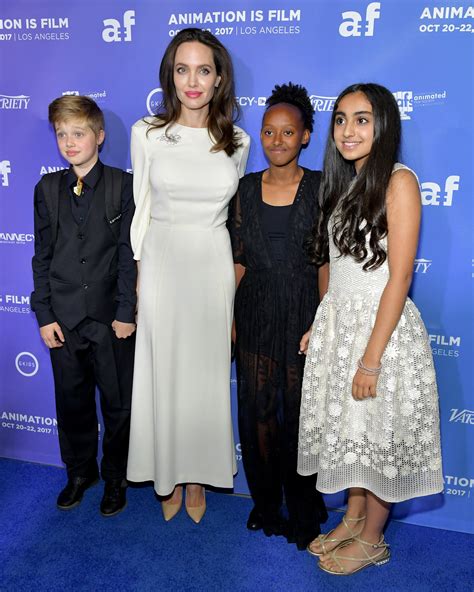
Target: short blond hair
[76,107]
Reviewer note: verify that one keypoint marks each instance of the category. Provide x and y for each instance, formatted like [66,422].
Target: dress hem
[363,485]
[164,492]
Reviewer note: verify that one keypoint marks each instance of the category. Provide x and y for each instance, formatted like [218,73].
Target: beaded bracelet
[368,371]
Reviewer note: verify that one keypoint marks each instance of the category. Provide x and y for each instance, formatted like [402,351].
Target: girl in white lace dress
[369,413]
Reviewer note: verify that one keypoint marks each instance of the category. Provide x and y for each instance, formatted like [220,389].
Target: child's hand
[52,335]
[305,341]
[364,386]
[123,330]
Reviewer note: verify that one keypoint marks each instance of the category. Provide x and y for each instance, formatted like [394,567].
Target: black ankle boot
[71,495]
[115,497]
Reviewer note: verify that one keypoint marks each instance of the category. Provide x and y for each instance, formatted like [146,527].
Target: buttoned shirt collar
[90,180]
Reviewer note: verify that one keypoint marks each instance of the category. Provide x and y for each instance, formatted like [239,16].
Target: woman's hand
[305,341]
[364,386]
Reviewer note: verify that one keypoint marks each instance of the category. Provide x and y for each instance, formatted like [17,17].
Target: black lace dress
[275,305]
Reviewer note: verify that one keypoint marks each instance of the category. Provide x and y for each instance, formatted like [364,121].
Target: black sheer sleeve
[235,225]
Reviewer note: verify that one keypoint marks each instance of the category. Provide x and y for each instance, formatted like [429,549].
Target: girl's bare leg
[356,510]
[377,512]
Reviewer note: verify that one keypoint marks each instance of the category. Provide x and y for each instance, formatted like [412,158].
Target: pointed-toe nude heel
[196,513]
[170,509]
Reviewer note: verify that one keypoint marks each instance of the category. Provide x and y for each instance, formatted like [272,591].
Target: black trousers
[93,357]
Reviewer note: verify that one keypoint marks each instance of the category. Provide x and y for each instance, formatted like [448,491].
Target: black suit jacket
[83,270]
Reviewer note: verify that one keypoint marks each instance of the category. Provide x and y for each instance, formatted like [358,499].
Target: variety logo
[251,101]
[352,25]
[462,416]
[153,100]
[14,102]
[119,31]
[431,193]
[16,238]
[27,364]
[422,265]
[321,103]
[5,170]
[71,93]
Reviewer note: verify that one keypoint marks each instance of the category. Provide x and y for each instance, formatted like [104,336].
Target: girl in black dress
[269,221]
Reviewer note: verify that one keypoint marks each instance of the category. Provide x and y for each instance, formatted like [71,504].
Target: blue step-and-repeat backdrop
[111,50]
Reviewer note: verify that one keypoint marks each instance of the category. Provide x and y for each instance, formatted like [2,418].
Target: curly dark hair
[296,95]
[223,109]
[358,199]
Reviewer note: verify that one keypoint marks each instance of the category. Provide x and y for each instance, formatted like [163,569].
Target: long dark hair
[359,200]
[223,107]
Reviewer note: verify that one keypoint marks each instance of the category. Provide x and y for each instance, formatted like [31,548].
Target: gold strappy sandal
[380,558]
[323,539]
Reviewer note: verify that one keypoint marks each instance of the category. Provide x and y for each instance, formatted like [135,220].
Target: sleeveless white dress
[181,426]
[389,445]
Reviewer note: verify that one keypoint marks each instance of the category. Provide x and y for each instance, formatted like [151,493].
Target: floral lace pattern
[389,445]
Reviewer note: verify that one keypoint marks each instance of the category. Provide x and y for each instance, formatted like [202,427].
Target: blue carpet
[42,548]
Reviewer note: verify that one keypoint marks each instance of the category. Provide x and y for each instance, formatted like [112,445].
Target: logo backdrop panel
[113,53]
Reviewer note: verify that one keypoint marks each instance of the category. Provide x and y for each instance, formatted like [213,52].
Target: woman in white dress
[186,162]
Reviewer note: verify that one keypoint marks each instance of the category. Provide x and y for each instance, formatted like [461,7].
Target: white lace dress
[389,445]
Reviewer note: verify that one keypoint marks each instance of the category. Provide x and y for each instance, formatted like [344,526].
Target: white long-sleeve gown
[181,426]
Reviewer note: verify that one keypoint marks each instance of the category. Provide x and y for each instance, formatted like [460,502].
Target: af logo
[114,29]
[351,26]
[431,193]
[153,100]
[404,100]
[5,170]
